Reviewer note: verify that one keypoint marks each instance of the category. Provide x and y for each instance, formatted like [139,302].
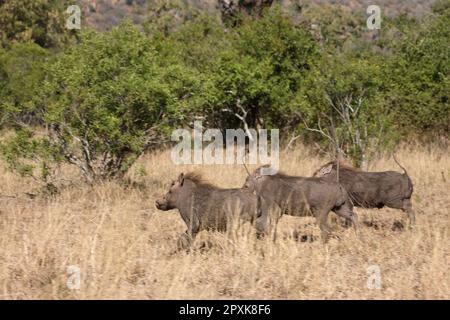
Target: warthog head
[254,179]
[169,200]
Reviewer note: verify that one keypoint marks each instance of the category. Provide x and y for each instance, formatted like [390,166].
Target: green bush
[260,73]
[34,21]
[21,75]
[346,107]
[104,102]
[419,76]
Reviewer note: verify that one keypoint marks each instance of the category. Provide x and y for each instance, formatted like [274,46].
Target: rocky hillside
[103,14]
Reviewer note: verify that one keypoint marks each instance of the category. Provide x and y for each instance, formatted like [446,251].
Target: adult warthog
[280,194]
[372,189]
[204,206]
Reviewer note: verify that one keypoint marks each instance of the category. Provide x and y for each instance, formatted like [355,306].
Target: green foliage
[196,43]
[168,16]
[257,68]
[108,99]
[419,74]
[38,21]
[261,71]
[347,106]
[21,75]
[334,26]
[30,154]
[441,6]
[102,102]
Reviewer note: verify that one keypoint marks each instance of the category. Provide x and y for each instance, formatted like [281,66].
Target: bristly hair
[279,174]
[197,178]
[342,165]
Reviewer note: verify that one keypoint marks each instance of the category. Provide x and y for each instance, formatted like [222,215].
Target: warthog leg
[185,240]
[261,224]
[407,207]
[350,217]
[262,217]
[321,217]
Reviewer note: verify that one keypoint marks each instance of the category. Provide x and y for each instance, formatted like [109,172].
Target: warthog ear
[181,178]
[326,170]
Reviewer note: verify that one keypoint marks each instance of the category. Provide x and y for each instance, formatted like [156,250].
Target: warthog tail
[405,172]
[403,168]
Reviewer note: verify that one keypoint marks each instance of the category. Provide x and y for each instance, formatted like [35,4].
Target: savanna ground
[124,247]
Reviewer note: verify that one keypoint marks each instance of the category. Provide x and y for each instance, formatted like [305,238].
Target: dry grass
[124,246]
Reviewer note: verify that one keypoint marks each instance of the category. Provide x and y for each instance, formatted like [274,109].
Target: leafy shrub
[105,101]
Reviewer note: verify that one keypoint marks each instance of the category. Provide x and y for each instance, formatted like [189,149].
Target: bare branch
[291,141]
[241,117]
[318,130]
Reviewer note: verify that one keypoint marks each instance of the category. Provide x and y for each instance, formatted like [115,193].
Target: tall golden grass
[125,248]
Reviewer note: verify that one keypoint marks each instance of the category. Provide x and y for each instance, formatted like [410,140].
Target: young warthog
[204,206]
[298,196]
[372,189]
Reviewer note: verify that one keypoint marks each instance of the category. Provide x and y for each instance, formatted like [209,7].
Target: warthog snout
[161,205]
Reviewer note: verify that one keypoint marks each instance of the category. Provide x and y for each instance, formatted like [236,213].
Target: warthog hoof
[184,242]
[397,226]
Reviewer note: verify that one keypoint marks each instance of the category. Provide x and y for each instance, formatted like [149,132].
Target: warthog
[204,206]
[372,189]
[298,196]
